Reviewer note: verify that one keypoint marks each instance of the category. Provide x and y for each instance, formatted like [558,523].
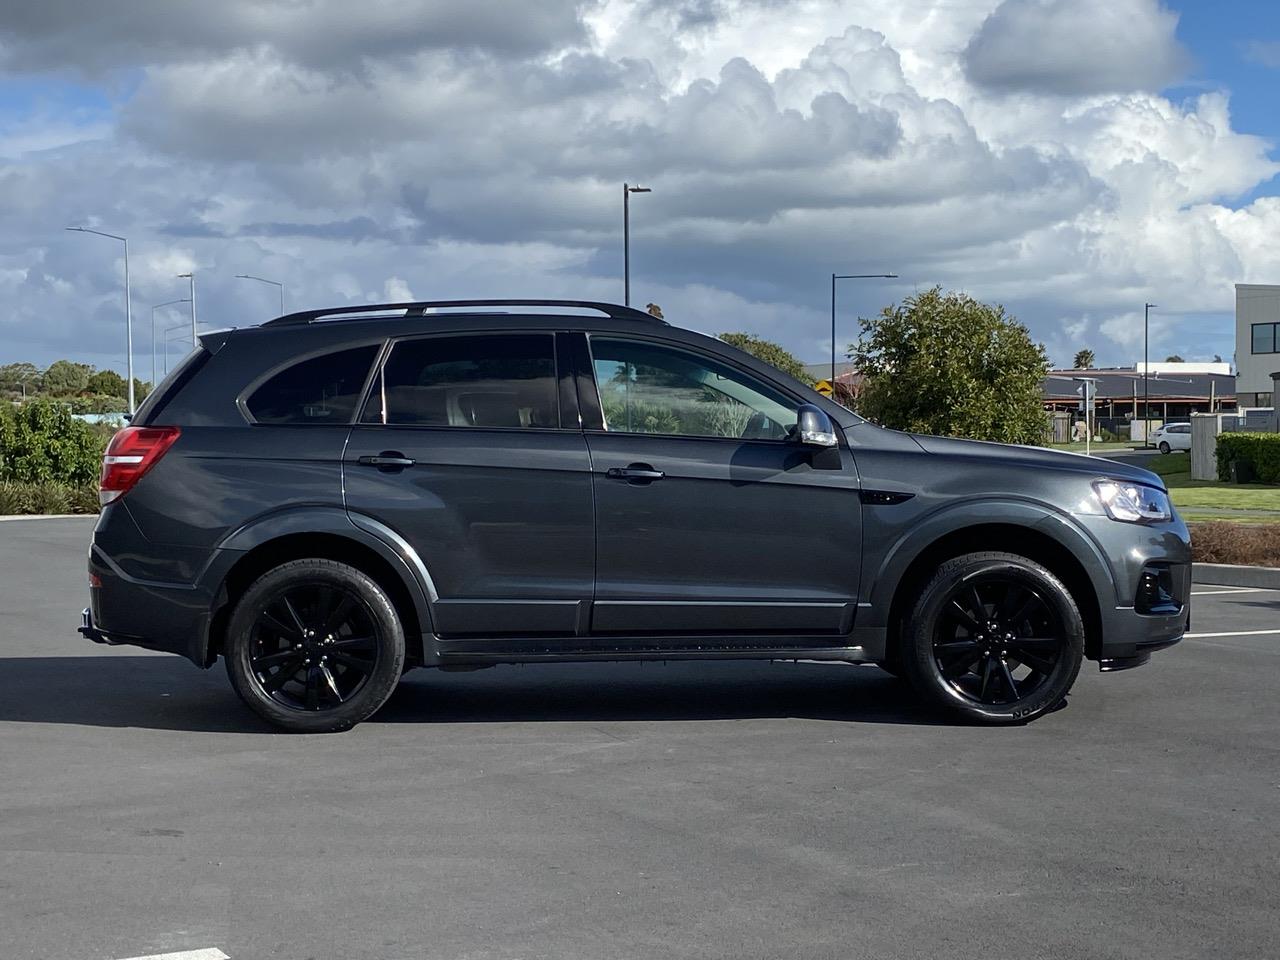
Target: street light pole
[192,277]
[128,309]
[626,239]
[167,303]
[276,283]
[847,276]
[1146,372]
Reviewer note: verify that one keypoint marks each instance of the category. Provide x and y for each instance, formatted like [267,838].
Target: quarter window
[648,388]
[475,381]
[323,389]
[1265,337]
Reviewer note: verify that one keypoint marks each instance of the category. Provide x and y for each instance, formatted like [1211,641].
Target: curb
[45,516]
[1236,575]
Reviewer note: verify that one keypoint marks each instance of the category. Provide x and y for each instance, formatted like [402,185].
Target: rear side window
[323,389]
[470,381]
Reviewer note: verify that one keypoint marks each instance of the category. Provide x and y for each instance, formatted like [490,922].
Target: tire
[1164,446]
[1012,667]
[314,646]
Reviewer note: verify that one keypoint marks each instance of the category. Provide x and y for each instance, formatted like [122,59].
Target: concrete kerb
[45,516]
[1236,575]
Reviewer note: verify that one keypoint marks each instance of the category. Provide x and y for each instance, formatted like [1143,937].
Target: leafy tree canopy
[64,378]
[769,352]
[1084,360]
[1173,358]
[108,383]
[13,376]
[947,364]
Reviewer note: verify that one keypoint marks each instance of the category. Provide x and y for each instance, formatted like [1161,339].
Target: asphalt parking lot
[743,810]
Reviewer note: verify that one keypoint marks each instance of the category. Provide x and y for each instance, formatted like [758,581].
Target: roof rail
[419,308]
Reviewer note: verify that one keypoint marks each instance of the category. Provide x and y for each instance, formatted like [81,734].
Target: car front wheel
[995,638]
[314,646]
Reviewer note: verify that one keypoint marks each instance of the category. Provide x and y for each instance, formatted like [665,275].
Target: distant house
[1174,390]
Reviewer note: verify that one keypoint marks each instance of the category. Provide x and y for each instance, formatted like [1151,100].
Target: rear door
[469,447]
[710,520]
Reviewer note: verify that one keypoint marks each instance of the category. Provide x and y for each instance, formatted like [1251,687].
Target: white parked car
[1172,436]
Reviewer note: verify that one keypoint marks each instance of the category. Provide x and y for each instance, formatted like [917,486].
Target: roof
[1121,385]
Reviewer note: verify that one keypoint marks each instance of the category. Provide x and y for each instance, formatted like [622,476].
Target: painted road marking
[208,953]
[1233,633]
[1226,590]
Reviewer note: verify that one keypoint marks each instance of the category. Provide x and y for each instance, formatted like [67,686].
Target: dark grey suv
[336,496]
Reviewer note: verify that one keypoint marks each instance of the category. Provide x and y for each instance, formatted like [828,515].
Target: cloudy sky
[1069,158]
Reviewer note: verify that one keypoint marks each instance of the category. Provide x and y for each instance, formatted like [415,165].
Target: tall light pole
[275,283]
[627,191]
[192,277]
[167,303]
[128,310]
[1146,372]
[167,338]
[847,276]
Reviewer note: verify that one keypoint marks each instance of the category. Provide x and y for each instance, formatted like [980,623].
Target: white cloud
[783,141]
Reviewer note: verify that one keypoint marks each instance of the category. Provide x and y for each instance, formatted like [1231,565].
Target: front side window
[468,381]
[1264,338]
[649,388]
[323,389]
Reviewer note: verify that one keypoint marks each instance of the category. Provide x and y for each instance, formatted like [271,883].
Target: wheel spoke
[313,688]
[279,626]
[330,682]
[986,678]
[1032,660]
[964,616]
[1007,675]
[293,613]
[352,663]
[979,609]
[352,643]
[282,676]
[264,663]
[338,613]
[954,656]
[1013,615]
[1036,643]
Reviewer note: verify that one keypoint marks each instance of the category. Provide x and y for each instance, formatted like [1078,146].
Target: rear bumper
[89,631]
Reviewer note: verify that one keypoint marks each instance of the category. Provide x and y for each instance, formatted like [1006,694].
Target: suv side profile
[336,496]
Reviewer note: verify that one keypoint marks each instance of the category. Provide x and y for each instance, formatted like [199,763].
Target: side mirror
[813,427]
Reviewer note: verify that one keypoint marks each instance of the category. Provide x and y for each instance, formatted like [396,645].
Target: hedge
[1256,453]
[27,498]
[40,442]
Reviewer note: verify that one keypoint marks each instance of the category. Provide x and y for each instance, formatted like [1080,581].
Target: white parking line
[1213,593]
[1233,633]
[208,953]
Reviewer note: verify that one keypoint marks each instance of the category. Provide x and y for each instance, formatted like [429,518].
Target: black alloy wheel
[995,637]
[314,646]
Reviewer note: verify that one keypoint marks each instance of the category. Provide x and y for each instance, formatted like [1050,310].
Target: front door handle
[387,460]
[637,473]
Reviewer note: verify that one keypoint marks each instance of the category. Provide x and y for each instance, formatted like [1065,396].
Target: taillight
[130,454]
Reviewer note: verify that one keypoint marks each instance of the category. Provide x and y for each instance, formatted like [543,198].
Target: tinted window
[481,381]
[647,388]
[324,389]
[1264,337]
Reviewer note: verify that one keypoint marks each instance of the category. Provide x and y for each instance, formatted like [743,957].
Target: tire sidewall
[376,689]
[923,669]
[1165,448]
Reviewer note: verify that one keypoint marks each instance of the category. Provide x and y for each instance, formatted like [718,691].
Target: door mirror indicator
[813,427]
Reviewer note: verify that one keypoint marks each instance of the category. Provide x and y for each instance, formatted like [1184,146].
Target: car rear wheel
[1164,446]
[995,638]
[314,646]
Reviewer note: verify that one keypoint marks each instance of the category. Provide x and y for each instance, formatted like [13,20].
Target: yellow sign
[824,387]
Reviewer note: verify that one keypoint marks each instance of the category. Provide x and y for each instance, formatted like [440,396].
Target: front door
[460,450]
[710,519]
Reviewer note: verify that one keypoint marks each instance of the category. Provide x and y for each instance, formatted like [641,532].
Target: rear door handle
[638,473]
[392,459]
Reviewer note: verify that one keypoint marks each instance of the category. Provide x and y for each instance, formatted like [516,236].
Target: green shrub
[40,442]
[19,498]
[1255,452]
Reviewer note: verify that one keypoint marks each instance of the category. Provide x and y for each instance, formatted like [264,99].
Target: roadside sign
[824,387]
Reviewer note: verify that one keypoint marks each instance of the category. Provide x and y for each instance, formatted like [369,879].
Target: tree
[947,364]
[1217,358]
[108,383]
[14,376]
[1083,360]
[64,378]
[1173,358]
[769,352]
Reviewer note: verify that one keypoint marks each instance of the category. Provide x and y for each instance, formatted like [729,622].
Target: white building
[1222,369]
[1257,342]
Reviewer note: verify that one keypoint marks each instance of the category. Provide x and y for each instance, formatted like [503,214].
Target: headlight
[1133,502]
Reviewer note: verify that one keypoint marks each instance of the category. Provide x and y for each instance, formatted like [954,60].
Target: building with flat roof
[1257,342]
